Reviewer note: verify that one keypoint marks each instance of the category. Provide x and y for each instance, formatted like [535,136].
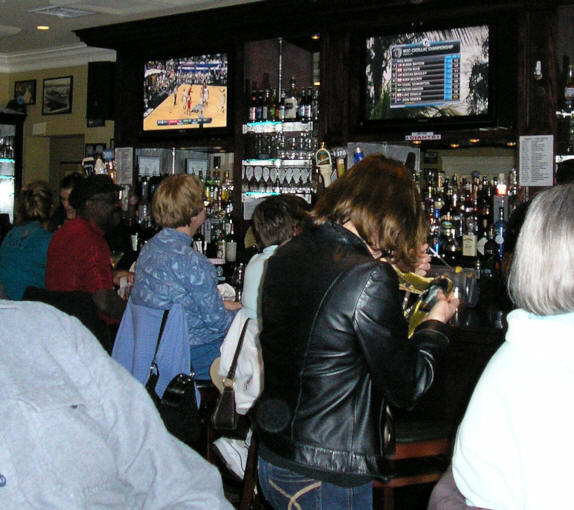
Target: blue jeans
[286,490]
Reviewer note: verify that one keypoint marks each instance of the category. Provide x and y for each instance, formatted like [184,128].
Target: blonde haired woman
[169,271]
[23,251]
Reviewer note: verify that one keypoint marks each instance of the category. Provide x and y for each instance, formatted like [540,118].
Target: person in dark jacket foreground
[334,340]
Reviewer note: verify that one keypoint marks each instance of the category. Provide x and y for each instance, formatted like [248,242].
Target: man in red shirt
[78,254]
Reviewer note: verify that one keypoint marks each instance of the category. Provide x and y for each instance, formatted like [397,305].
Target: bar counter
[476,334]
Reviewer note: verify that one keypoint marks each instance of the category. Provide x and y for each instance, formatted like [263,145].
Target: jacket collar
[340,234]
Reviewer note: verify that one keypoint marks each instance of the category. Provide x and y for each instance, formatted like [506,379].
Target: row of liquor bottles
[292,104]
[216,239]
[468,219]
[218,193]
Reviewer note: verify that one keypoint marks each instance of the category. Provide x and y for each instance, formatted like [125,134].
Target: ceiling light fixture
[42,27]
[62,12]
[315,37]
[474,140]
[454,145]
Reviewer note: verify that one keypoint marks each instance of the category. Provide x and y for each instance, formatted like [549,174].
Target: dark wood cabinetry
[527,34]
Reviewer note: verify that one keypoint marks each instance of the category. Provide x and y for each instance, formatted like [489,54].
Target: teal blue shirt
[23,259]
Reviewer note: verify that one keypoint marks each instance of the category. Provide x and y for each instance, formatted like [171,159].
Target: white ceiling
[19,18]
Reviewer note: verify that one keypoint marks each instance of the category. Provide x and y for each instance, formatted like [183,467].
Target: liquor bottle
[569,90]
[207,185]
[230,244]
[252,115]
[358,155]
[482,237]
[220,245]
[135,236]
[434,232]
[265,105]
[291,101]
[302,106]
[259,106]
[490,261]
[500,231]
[451,249]
[272,113]
[226,189]
[469,241]
[281,106]
[315,104]
[309,105]
[199,240]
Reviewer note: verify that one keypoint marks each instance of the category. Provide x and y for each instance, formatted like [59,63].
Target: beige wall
[4,79]
[486,160]
[39,130]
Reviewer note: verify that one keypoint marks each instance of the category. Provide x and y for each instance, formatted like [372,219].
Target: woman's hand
[118,275]
[444,308]
[423,261]
[231,305]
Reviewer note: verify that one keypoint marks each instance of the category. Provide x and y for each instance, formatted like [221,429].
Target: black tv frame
[174,135]
[498,84]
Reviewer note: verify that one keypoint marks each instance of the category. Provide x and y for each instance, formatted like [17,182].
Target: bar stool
[250,499]
[209,394]
[422,454]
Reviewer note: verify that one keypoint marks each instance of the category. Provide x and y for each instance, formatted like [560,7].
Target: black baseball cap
[90,186]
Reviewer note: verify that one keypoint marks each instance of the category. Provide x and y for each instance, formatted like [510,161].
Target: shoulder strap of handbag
[163,321]
[231,372]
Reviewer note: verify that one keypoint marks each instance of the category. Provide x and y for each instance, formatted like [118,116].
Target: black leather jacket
[335,351]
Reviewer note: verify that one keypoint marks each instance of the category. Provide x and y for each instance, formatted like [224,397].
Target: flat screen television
[186,93]
[438,77]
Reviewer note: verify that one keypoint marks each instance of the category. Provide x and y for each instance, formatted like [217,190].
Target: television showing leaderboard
[437,73]
[185,93]
[425,74]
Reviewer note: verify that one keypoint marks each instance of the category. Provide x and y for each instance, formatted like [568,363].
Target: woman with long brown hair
[334,341]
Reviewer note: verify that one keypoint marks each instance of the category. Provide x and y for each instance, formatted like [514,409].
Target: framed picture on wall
[25,92]
[57,95]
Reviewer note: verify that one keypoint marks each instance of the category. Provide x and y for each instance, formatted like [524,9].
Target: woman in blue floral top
[170,271]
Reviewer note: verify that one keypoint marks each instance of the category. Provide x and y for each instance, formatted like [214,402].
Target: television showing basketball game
[186,93]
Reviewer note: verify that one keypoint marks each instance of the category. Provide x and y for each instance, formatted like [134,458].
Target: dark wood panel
[528,33]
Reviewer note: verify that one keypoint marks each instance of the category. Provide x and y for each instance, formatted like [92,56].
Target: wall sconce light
[538,70]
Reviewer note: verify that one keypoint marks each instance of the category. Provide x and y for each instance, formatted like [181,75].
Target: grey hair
[541,278]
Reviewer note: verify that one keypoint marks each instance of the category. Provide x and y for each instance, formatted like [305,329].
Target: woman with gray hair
[515,446]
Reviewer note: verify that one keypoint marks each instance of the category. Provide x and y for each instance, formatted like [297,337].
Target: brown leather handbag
[225,416]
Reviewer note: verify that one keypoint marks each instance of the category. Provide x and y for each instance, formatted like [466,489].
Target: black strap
[231,373]
[163,321]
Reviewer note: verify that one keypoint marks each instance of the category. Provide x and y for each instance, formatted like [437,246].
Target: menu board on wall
[536,160]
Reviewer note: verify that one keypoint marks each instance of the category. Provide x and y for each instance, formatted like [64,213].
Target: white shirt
[77,431]
[515,446]
[253,280]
